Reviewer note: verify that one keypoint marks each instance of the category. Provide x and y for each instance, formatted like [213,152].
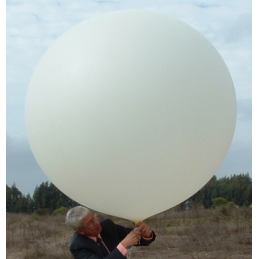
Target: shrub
[42,212]
[60,211]
[219,202]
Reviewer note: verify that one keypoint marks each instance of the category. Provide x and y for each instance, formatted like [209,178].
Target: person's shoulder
[80,241]
[78,238]
[81,244]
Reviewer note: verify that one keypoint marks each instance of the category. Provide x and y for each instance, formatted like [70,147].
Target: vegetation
[236,189]
[195,233]
[216,222]
[219,202]
[47,198]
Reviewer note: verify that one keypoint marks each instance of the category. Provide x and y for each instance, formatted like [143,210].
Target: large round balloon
[130,113]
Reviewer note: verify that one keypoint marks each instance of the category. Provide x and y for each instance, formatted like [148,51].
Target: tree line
[236,189]
[46,197]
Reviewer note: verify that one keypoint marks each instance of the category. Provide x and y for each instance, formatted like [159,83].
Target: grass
[196,233]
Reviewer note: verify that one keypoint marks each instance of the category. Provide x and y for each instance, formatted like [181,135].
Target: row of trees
[45,196]
[236,189]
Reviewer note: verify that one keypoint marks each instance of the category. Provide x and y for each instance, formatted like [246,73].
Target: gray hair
[76,215]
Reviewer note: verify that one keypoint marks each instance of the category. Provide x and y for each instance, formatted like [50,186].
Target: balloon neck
[135,221]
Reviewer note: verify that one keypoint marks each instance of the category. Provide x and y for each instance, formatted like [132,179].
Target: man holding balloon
[102,109]
[104,239]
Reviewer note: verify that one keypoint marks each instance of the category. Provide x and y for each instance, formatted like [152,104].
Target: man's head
[82,220]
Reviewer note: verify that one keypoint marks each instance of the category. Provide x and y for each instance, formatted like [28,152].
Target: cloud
[239,30]
[205,5]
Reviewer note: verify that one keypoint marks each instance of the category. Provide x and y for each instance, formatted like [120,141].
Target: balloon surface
[130,113]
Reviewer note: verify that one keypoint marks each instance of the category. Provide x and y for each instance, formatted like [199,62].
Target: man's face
[90,226]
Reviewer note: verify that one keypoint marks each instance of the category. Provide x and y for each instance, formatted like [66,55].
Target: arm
[88,249]
[83,247]
[87,254]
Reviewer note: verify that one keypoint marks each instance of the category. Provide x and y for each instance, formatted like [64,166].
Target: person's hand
[131,239]
[144,229]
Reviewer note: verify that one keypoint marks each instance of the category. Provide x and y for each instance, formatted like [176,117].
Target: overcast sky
[32,26]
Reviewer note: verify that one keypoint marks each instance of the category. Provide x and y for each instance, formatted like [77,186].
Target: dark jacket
[112,234]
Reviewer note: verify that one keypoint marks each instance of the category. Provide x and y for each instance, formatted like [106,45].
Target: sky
[32,26]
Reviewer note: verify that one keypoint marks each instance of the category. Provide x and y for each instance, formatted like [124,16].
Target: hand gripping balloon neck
[135,229]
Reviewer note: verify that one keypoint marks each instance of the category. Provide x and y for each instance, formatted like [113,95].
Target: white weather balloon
[130,112]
